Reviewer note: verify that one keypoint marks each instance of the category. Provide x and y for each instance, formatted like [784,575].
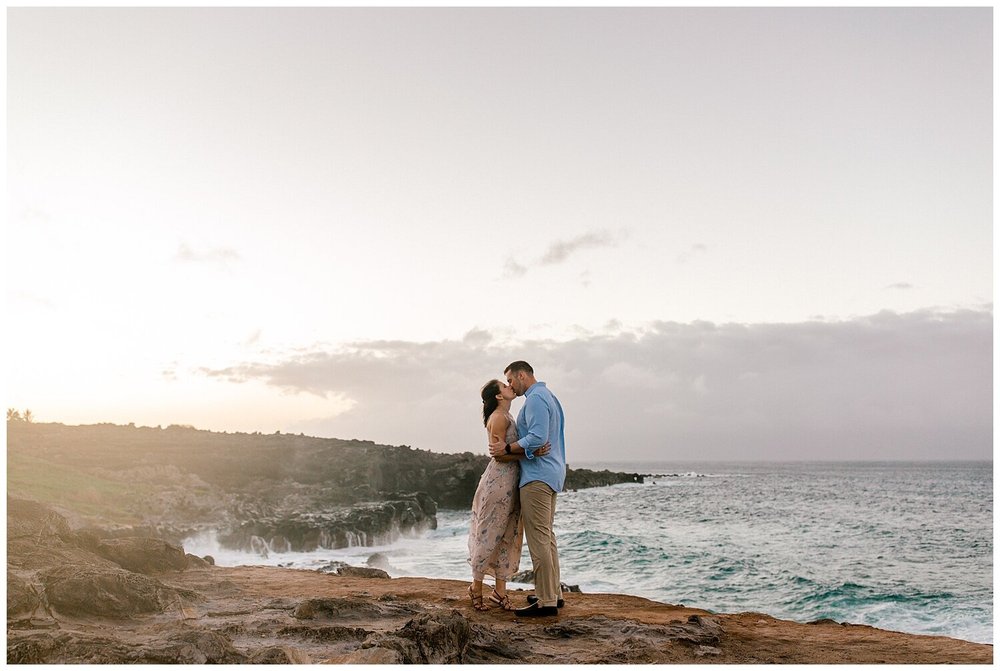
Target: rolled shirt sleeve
[536,415]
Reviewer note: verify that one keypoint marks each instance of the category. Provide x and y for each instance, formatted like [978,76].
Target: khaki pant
[538,509]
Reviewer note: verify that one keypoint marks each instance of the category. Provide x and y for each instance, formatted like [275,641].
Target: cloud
[887,386]
[33,300]
[477,338]
[221,256]
[695,249]
[34,216]
[900,285]
[513,269]
[561,250]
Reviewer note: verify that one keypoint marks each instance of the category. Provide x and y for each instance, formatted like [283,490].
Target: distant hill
[180,478]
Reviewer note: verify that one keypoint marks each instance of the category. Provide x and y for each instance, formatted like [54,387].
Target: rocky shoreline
[363,524]
[75,597]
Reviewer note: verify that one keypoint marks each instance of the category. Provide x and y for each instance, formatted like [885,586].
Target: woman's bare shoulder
[498,418]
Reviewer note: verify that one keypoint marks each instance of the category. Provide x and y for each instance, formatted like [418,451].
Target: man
[540,421]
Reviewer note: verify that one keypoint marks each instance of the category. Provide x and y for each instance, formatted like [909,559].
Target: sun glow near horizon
[291,194]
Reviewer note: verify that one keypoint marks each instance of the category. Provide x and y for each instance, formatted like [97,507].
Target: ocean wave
[631,551]
[656,477]
[852,595]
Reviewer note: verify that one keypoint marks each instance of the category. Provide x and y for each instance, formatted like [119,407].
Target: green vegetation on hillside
[69,487]
[184,475]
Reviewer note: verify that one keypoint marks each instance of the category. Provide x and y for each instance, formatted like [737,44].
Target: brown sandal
[477,600]
[502,601]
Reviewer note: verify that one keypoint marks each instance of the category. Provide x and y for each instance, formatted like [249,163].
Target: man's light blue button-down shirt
[541,421]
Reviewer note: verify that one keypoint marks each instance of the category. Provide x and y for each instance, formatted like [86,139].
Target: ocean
[900,546]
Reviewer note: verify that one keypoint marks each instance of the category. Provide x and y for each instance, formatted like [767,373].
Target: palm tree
[13,415]
[28,417]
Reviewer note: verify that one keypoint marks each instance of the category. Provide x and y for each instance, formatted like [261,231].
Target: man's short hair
[519,366]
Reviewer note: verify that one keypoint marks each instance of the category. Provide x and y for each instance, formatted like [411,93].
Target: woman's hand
[543,450]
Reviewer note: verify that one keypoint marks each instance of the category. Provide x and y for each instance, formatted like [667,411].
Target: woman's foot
[477,599]
[502,600]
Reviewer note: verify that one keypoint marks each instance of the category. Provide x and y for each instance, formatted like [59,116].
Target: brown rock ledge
[280,615]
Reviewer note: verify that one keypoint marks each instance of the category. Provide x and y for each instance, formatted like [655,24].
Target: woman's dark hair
[490,402]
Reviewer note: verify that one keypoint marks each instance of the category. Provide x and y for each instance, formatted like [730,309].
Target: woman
[496,529]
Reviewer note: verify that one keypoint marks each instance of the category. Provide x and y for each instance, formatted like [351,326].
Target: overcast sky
[715,233]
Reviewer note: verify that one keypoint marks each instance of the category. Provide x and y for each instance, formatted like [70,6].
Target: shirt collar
[529,389]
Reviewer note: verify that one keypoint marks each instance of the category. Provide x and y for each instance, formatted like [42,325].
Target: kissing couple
[517,492]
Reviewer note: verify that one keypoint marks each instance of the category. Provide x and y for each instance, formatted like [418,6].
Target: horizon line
[582,463]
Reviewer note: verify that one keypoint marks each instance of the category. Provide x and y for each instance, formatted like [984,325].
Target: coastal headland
[96,572]
[259,493]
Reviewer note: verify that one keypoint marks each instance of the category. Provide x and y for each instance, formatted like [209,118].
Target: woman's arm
[496,427]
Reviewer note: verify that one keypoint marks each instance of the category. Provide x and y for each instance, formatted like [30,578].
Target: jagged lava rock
[378,560]
[192,647]
[365,524]
[362,572]
[431,638]
[342,609]
[103,591]
[22,599]
[143,555]
[31,519]
[279,655]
